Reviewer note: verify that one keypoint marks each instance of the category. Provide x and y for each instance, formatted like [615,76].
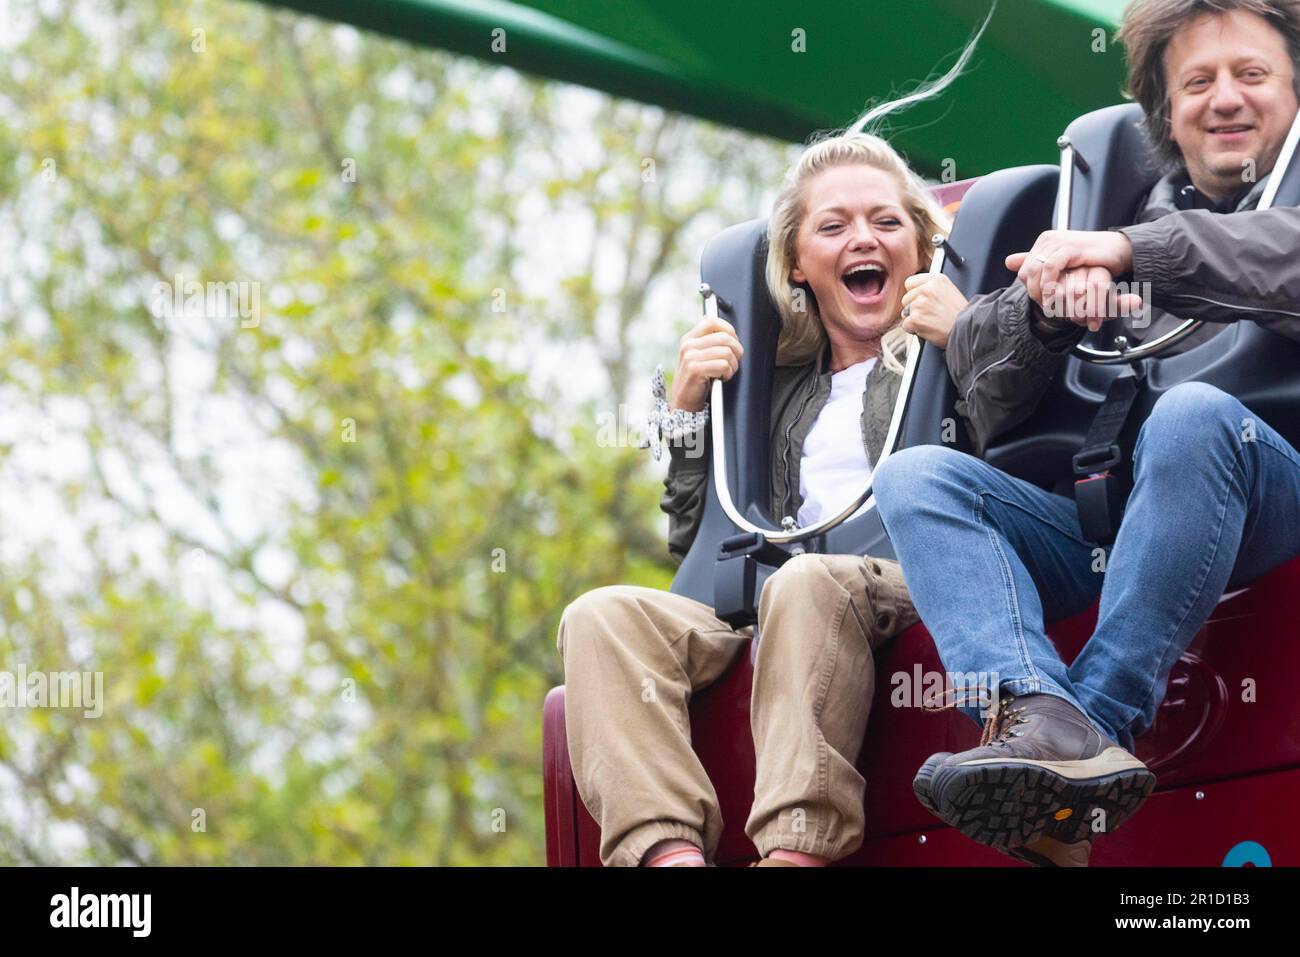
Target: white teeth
[864,267]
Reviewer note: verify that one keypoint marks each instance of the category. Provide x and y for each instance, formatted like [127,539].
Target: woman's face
[855,247]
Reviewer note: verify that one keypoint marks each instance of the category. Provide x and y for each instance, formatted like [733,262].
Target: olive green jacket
[798,395]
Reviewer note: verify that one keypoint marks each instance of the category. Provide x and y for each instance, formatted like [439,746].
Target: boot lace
[999,726]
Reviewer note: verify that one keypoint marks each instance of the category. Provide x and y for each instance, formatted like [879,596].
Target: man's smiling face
[1231,98]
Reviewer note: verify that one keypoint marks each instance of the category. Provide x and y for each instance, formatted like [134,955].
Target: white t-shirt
[835,467]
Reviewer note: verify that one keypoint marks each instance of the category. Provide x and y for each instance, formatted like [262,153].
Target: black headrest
[733,264]
[1121,167]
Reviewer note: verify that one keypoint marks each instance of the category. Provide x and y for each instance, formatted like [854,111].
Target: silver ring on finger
[1041,259]
[907,311]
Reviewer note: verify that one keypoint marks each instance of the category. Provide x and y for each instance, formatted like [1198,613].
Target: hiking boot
[1045,852]
[1041,770]
[921,783]
[1049,852]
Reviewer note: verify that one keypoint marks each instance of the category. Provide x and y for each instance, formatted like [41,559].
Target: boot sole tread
[1009,805]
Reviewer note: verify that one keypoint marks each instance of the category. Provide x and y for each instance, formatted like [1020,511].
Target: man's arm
[1002,354]
[1218,267]
[1223,267]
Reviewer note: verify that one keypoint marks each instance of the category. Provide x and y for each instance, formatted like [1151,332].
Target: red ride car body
[1225,748]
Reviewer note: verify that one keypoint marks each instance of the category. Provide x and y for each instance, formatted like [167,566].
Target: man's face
[1231,99]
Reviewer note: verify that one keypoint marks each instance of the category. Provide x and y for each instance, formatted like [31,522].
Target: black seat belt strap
[1099,489]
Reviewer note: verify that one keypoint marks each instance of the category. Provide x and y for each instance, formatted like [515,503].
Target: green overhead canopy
[1041,63]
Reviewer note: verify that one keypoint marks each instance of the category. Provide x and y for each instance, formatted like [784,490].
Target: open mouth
[865,281]
[1230,129]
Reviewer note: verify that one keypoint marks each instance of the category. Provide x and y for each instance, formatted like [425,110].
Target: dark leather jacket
[1207,264]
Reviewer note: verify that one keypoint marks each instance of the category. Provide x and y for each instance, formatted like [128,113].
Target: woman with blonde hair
[849,245]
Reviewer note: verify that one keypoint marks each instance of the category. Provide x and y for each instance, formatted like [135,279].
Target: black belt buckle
[1096,460]
[1099,494]
[735,576]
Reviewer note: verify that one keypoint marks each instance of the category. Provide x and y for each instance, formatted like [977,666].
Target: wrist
[1052,324]
[673,426]
[1046,329]
[1123,253]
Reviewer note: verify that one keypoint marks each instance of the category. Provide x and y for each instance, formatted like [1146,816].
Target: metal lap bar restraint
[1070,158]
[736,572]
[792,534]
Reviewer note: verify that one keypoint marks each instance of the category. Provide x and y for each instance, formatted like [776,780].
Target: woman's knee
[586,621]
[801,579]
[798,574]
[816,581]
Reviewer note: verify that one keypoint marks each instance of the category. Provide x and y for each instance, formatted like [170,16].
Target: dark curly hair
[1146,30]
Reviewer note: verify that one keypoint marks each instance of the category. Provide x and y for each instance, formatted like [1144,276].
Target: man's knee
[1189,418]
[1193,402]
[911,473]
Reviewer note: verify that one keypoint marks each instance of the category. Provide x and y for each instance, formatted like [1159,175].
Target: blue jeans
[988,557]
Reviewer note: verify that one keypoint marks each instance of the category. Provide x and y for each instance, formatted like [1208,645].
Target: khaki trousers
[632,658]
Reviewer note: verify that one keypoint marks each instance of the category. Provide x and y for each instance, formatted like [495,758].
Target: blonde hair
[802,333]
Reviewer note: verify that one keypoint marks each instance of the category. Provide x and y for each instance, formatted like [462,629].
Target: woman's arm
[684,489]
[709,351]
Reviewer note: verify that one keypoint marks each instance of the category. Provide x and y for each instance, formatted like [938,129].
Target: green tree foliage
[318,549]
